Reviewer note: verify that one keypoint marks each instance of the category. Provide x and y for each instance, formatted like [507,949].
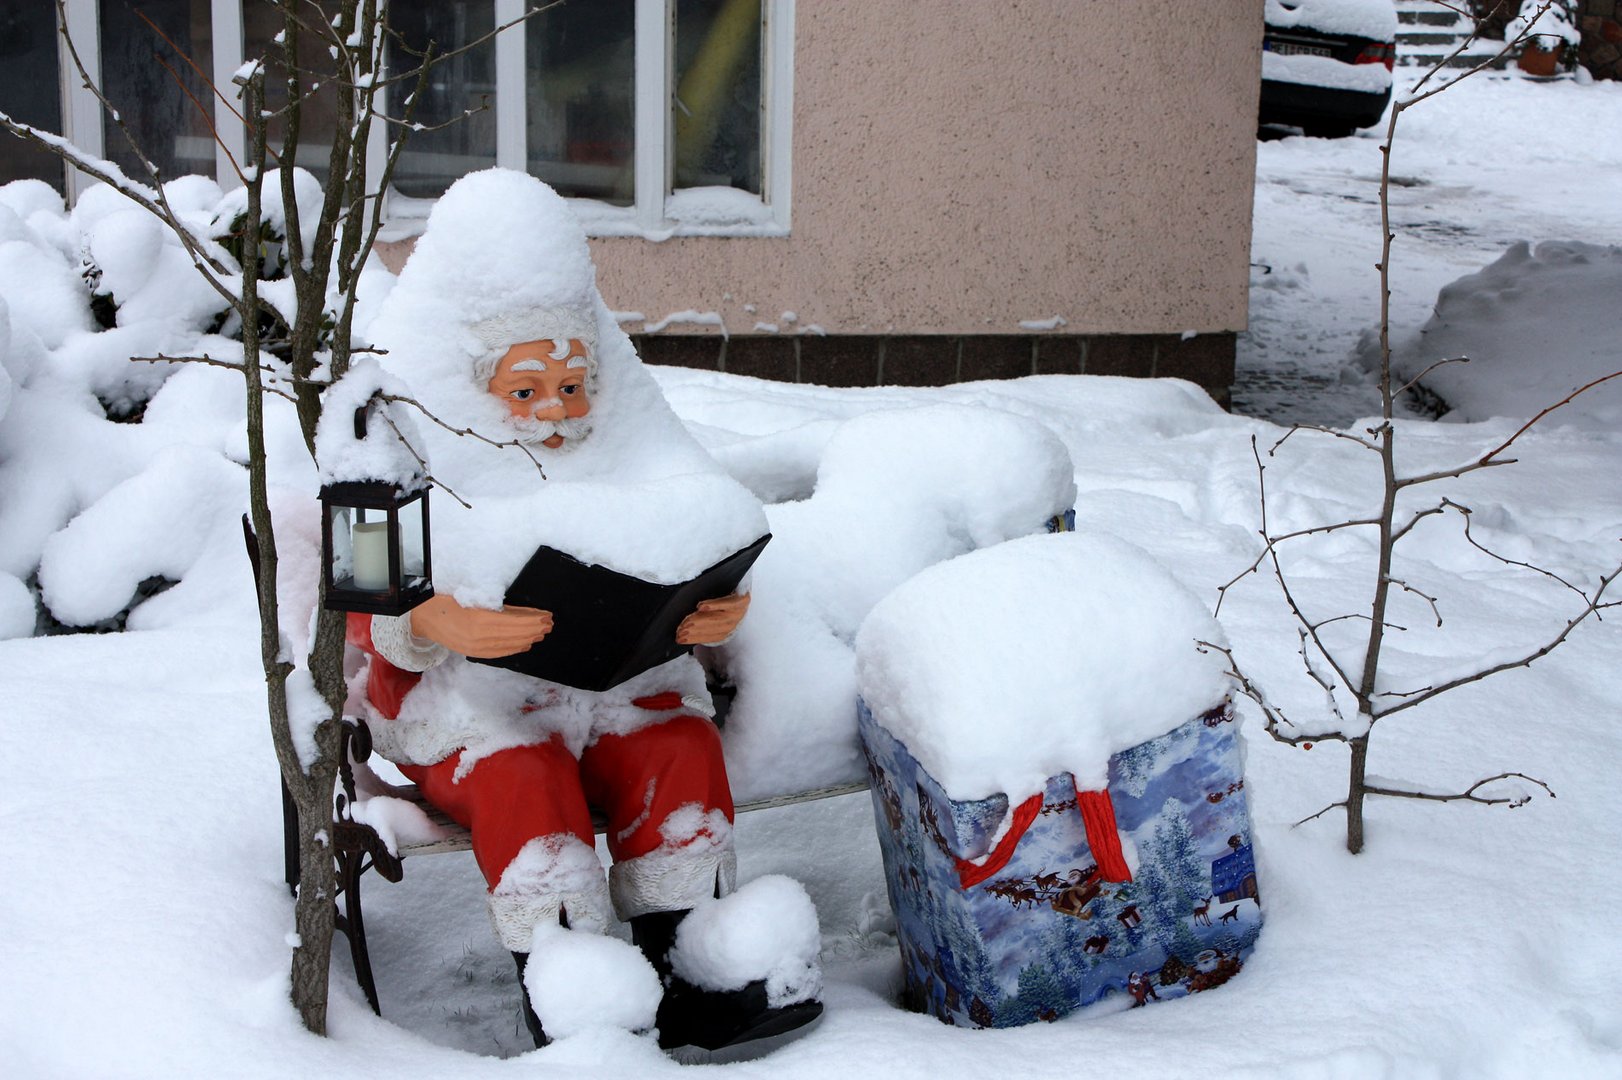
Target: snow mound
[16,607]
[1037,657]
[766,930]
[579,981]
[1536,324]
[897,490]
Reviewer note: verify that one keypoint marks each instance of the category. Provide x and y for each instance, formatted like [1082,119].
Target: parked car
[1326,64]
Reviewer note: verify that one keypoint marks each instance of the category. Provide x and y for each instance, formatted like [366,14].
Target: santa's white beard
[534,433]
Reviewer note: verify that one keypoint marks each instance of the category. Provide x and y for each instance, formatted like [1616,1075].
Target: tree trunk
[1354,793]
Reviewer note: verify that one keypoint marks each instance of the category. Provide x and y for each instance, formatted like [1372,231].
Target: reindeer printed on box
[1056,912]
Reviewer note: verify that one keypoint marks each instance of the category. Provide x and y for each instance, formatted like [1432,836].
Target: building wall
[963,166]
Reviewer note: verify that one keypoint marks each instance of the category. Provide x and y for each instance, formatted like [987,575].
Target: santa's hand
[479,631]
[714,621]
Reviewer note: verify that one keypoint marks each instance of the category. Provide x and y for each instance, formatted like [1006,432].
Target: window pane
[318,113]
[581,78]
[717,106]
[30,90]
[164,102]
[433,159]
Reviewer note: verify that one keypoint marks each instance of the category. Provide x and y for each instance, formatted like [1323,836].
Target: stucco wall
[961,166]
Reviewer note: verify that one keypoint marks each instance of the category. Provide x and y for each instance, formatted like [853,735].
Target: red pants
[514,796]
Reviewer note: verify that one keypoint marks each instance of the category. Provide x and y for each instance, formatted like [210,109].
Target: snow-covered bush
[1554,21]
[115,471]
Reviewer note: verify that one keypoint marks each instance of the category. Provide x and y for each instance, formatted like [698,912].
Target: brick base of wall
[1601,48]
[938,360]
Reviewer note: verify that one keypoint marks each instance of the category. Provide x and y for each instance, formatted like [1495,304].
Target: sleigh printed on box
[1007,915]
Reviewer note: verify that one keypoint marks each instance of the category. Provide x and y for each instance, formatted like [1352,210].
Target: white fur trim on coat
[695,863]
[549,875]
[394,642]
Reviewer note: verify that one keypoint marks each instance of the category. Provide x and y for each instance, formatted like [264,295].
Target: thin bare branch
[1314,817]
[1424,694]
[1355,615]
[1269,542]
[423,463]
[154,202]
[1321,430]
[1274,717]
[468,433]
[1469,794]
[417,128]
[1465,512]
[1509,47]
[1491,458]
[458,51]
[1399,532]
[1415,381]
[1427,597]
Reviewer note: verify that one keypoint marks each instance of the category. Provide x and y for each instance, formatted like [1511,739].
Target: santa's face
[543,385]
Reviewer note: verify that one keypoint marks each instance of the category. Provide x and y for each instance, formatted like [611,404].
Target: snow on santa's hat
[509,255]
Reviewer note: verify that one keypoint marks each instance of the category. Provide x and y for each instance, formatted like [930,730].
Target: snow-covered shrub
[123,506]
[1554,21]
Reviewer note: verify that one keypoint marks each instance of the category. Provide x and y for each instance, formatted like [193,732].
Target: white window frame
[649,215]
[654,131]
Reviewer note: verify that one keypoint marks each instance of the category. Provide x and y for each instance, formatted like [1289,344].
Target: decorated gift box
[1129,874]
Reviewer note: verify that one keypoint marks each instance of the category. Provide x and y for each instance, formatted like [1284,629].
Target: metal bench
[358,847]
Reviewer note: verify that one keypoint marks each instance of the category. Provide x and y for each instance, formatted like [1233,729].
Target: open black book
[607,626]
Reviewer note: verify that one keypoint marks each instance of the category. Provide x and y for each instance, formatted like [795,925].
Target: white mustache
[532,430]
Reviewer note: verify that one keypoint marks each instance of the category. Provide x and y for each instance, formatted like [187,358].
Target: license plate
[1287,48]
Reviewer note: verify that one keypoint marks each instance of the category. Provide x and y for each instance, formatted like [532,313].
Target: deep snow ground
[145,919]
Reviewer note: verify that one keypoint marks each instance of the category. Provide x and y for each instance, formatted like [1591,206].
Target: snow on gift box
[1057,780]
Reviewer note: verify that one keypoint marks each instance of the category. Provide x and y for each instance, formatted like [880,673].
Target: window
[29,90]
[659,116]
[147,53]
[446,147]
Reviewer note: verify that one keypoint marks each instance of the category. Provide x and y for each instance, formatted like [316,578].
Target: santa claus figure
[547,430]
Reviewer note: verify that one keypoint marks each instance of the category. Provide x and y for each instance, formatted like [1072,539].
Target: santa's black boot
[713,1025]
[531,1021]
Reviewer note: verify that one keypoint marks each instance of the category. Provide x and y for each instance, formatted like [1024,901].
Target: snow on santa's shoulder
[578,981]
[764,931]
[1040,656]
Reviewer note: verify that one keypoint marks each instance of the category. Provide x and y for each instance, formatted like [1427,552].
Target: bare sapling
[1348,668]
[293,354]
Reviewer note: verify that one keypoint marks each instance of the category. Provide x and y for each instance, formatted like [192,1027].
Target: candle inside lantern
[371,551]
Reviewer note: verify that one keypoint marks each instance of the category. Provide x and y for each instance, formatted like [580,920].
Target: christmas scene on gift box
[609,538]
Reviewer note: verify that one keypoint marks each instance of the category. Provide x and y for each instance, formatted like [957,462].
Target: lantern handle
[362,414]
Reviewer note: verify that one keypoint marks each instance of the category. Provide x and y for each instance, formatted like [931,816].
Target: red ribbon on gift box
[1097,818]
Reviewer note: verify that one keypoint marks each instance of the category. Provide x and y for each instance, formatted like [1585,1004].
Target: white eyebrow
[528,365]
[577,362]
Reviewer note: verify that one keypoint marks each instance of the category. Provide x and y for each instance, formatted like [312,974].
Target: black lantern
[375,555]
